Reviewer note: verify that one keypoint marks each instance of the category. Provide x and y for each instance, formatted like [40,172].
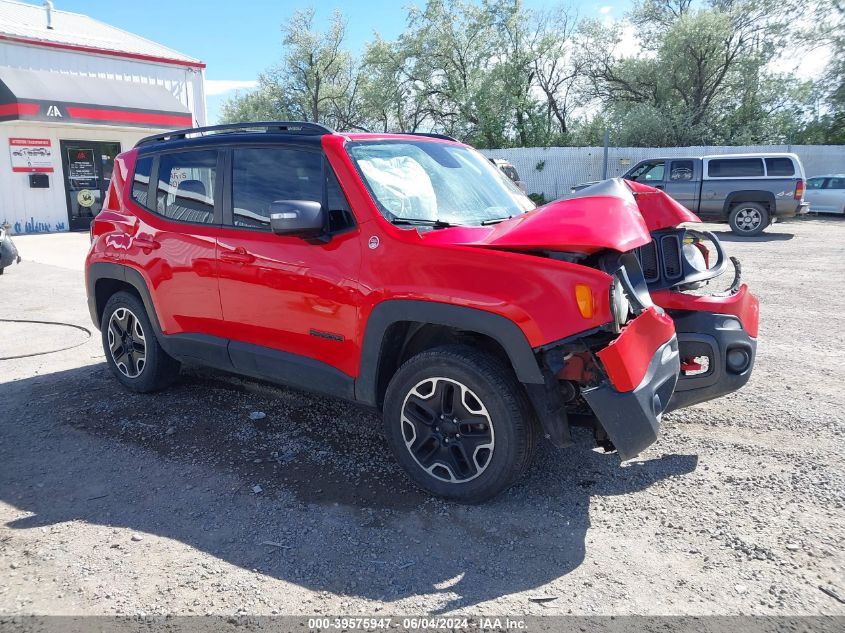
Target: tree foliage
[496,74]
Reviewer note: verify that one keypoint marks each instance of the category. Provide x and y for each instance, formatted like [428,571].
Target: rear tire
[459,423]
[749,219]
[131,347]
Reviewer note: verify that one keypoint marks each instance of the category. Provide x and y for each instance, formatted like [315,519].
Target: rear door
[682,182]
[174,245]
[282,293]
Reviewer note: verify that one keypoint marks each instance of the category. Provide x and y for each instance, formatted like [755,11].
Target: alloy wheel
[748,219]
[447,430]
[127,343]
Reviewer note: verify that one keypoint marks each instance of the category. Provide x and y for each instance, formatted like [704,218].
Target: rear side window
[185,190]
[836,183]
[735,168]
[681,170]
[815,183]
[141,181]
[780,167]
[264,175]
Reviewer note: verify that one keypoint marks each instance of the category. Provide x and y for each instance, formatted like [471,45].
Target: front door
[285,293]
[681,184]
[88,167]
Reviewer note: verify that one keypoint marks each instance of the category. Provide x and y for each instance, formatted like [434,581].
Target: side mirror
[302,218]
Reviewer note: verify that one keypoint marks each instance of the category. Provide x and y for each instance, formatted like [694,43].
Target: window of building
[261,176]
[780,167]
[735,168]
[186,186]
[141,180]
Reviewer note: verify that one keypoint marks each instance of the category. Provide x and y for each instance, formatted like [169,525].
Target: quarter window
[780,167]
[185,189]
[261,176]
[141,180]
[735,168]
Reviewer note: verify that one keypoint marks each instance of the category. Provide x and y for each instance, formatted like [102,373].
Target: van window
[141,180]
[735,167]
[780,166]
[185,189]
[261,176]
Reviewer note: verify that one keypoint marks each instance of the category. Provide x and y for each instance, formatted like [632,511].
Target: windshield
[435,183]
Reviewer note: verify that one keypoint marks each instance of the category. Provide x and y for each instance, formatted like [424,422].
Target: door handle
[659,186]
[146,242]
[237,256]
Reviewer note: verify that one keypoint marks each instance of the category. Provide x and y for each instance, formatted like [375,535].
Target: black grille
[671,247]
[647,255]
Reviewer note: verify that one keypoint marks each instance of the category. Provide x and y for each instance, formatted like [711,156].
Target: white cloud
[605,10]
[221,86]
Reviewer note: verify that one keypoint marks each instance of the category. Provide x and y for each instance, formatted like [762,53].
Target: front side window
[185,190]
[735,167]
[428,182]
[263,175]
[141,181]
[836,183]
[648,172]
[780,166]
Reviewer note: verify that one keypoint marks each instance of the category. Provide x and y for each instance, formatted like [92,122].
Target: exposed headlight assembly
[620,306]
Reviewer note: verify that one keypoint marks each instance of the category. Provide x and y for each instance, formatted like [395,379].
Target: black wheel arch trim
[118,272]
[499,328]
[757,196]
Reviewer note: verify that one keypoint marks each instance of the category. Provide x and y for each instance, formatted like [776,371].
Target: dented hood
[616,214]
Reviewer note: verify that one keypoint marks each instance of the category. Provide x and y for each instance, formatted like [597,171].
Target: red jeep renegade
[407,273]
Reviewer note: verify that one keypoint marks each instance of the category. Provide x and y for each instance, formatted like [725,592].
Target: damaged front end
[670,345]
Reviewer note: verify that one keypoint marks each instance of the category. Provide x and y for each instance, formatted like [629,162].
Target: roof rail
[288,127]
[433,135]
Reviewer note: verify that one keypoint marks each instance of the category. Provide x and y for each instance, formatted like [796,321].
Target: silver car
[826,194]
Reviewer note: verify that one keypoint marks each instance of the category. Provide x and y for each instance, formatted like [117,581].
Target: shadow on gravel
[309,494]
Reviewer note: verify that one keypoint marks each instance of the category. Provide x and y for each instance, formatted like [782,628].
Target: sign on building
[31,155]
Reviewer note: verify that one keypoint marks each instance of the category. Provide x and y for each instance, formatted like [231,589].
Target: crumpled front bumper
[721,329]
[642,367]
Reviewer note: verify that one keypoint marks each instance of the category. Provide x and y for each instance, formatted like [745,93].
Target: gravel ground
[179,503]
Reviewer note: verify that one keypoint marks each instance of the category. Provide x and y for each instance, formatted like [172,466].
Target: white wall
[184,83]
[43,210]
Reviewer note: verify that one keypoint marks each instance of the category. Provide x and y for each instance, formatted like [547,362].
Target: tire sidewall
[765,219]
[506,459]
[146,380]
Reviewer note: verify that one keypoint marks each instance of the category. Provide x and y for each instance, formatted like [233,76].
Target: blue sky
[238,40]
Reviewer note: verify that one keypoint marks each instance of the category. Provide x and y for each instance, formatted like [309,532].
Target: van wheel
[748,219]
[459,423]
[131,348]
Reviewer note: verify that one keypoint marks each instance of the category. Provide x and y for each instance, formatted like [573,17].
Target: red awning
[37,95]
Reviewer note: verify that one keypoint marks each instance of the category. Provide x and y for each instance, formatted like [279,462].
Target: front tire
[131,347]
[749,219]
[459,423]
